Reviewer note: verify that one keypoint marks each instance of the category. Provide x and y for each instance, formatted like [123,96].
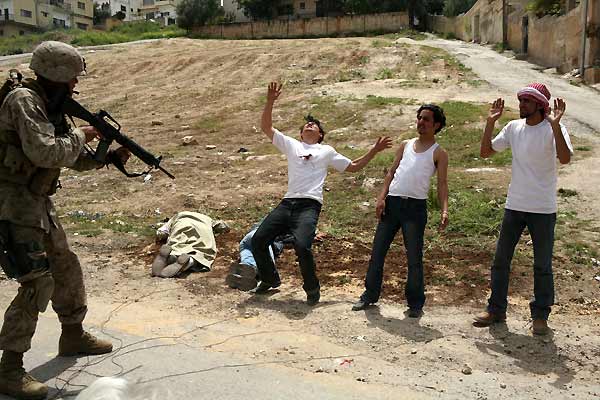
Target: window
[148,2]
[81,5]
[81,26]
[21,33]
[150,15]
[44,14]
[59,23]
[25,13]
[303,6]
[165,14]
[124,9]
[1,32]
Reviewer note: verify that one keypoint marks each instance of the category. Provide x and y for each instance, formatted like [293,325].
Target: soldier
[35,143]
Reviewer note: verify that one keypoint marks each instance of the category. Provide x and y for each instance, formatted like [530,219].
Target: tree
[101,13]
[192,13]
[545,7]
[453,8]
[260,9]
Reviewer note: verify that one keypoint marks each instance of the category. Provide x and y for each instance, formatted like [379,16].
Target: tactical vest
[15,167]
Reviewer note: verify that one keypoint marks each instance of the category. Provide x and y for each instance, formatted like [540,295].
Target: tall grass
[120,34]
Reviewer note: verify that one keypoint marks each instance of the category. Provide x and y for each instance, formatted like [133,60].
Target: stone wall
[313,27]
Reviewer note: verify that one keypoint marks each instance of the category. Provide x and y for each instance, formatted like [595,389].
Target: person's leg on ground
[274,224]
[413,230]
[386,230]
[541,228]
[305,216]
[69,298]
[512,227]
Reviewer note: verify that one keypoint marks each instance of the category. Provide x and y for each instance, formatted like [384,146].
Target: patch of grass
[406,33]
[562,192]
[95,224]
[384,73]
[124,33]
[378,102]
[379,43]
[209,124]
[460,112]
[579,252]
[350,75]
[583,148]
[463,146]
[499,47]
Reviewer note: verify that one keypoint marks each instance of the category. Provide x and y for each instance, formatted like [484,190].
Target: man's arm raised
[266,123]
[382,143]
[496,110]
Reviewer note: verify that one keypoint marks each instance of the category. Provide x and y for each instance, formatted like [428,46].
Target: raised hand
[557,112]
[382,143]
[496,110]
[274,91]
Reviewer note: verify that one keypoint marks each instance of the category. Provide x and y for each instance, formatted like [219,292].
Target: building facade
[18,17]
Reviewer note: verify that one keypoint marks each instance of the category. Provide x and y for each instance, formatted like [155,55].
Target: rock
[177,116]
[242,150]
[156,123]
[467,370]
[503,385]
[413,351]
[210,147]
[189,141]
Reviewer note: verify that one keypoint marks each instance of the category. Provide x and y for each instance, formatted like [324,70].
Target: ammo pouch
[20,259]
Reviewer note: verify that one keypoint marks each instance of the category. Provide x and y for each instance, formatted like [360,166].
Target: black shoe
[360,305]
[263,287]
[415,313]
[313,297]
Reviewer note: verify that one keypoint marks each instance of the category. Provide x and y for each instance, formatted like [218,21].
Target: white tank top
[413,175]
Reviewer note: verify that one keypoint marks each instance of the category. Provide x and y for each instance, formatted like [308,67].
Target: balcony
[60,4]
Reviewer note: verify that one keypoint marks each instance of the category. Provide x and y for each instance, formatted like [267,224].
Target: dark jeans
[541,228]
[298,217]
[410,215]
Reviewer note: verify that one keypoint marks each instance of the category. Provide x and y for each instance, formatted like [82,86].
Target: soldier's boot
[75,341]
[17,383]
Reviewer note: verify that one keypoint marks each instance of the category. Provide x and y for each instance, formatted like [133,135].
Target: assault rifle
[110,133]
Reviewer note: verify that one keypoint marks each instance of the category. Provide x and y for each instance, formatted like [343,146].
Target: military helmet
[57,61]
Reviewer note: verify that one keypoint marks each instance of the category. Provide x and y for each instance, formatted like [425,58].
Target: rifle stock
[110,134]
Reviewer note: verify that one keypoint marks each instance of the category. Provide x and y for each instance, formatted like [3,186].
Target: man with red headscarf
[536,140]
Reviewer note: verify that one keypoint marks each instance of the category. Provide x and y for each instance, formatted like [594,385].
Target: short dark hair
[310,118]
[438,114]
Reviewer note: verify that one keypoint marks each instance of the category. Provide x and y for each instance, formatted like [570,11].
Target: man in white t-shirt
[298,212]
[536,140]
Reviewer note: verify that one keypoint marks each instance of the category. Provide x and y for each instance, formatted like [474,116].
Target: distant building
[162,11]
[231,8]
[18,17]
[129,9]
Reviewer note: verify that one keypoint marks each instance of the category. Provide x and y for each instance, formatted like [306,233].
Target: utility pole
[583,39]
[505,23]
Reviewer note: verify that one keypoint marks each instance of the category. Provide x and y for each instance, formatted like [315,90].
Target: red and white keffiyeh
[537,92]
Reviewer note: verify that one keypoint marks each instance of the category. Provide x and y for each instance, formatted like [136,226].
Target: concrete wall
[551,41]
[331,26]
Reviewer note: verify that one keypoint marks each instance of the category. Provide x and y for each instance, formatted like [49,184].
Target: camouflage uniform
[32,151]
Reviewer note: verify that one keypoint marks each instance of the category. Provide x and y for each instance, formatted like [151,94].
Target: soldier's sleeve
[39,142]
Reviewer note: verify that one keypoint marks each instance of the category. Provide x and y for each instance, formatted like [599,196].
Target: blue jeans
[541,228]
[410,215]
[299,217]
[246,256]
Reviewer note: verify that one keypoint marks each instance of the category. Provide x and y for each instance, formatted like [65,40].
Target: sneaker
[540,327]
[241,276]
[415,312]
[360,305]
[313,297]
[264,287]
[488,318]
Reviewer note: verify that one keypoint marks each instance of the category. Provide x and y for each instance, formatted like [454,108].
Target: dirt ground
[165,90]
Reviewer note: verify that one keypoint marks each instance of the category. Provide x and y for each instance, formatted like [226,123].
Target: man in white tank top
[298,213]
[536,140]
[402,204]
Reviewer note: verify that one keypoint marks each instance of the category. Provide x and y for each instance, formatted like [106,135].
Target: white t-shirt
[307,166]
[534,172]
